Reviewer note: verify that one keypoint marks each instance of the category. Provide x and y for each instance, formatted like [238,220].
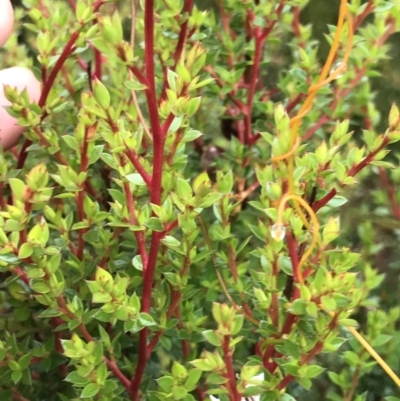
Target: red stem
[63,369]
[88,338]
[391,190]
[176,297]
[274,308]
[132,156]
[187,8]
[183,33]
[351,173]
[46,89]
[322,120]
[158,144]
[367,10]
[288,378]
[140,238]
[231,384]
[368,159]
[259,42]
[110,364]
[50,81]
[2,201]
[293,103]
[98,64]
[72,4]
[292,248]
[296,21]
[81,195]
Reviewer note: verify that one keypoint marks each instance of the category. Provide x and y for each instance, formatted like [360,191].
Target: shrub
[146,256]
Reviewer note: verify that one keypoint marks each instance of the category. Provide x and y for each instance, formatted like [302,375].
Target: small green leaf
[16,376]
[90,390]
[135,85]
[135,179]
[146,320]
[25,251]
[212,337]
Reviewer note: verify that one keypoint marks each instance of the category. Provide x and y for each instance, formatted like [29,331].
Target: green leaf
[17,188]
[313,371]
[328,302]
[25,251]
[16,376]
[337,201]
[212,337]
[135,179]
[137,263]
[13,365]
[101,297]
[202,365]
[146,320]
[298,307]
[171,241]
[383,6]
[101,93]
[135,85]
[40,287]
[77,379]
[193,378]
[191,135]
[90,390]
[183,189]
[166,383]
[71,142]
[155,224]
[176,124]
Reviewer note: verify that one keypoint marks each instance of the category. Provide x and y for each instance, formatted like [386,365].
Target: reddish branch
[111,364]
[158,151]
[80,201]
[360,19]
[230,373]
[176,297]
[292,248]
[296,21]
[260,36]
[140,236]
[391,190]
[306,359]
[183,34]
[47,87]
[48,84]
[322,121]
[187,9]
[351,173]
[132,156]
[82,328]
[97,64]
[72,4]
[274,308]
[318,347]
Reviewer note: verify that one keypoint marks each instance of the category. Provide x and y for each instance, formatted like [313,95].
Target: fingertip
[20,78]
[6,21]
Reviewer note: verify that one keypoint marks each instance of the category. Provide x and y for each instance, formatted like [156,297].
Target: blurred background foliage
[372,230]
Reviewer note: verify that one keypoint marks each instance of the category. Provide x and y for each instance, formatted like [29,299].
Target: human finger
[6,21]
[20,78]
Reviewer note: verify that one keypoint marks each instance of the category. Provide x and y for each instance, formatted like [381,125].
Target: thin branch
[133,93]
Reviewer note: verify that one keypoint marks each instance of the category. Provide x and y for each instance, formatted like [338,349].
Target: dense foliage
[169,225]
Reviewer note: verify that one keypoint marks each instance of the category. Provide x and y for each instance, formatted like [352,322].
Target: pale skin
[18,77]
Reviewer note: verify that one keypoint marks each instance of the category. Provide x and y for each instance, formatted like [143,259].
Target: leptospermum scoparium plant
[143,256]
